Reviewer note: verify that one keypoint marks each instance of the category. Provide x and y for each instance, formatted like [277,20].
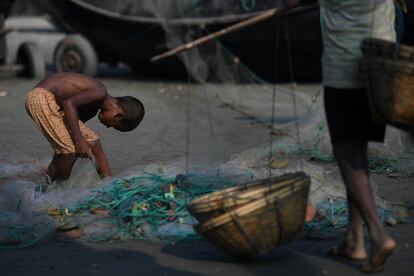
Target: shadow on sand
[285,260]
[73,258]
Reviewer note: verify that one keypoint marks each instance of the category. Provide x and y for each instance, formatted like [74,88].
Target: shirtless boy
[62,103]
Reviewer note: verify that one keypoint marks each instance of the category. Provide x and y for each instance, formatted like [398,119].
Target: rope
[211,126]
[293,85]
[187,143]
[140,205]
[290,64]
[277,32]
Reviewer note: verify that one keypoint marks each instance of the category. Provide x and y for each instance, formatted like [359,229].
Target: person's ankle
[356,230]
[380,236]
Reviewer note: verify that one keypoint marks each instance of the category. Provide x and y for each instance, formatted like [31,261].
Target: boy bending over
[62,103]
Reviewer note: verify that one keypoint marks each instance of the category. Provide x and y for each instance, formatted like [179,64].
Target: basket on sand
[260,225]
[389,72]
[219,202]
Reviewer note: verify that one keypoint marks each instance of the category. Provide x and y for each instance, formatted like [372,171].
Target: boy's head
[122,113]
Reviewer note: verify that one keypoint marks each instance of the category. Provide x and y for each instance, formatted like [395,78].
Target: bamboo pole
[251,21]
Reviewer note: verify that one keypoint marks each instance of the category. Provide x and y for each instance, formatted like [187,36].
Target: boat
[282,49]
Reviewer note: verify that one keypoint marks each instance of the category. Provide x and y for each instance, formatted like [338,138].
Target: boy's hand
[82,149]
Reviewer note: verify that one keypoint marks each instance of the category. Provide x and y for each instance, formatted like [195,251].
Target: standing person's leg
[350,129]
[352,160]
[353,245]
[342,126]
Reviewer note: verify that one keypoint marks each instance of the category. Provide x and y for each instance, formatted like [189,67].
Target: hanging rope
[275,71]
[299,145]
[187,140]
[211,127]
[293,86]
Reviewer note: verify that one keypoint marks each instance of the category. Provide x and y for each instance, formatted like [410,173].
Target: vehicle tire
[31,58]
[75,54]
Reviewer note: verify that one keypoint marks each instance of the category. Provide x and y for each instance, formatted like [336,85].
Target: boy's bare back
[66,85]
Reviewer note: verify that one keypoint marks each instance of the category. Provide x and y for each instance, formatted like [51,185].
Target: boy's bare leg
[61,166]
[353,164]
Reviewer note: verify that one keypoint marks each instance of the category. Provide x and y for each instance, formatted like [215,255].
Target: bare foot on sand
[379,255]
[348,253]
[353,246]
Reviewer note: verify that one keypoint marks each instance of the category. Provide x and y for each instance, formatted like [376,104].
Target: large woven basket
[388,69]
[220,202]
[257,227]
[390,85]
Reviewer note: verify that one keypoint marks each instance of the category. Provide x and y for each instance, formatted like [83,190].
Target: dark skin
[352,159]
[81,98]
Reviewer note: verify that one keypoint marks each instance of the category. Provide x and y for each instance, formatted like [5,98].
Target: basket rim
[396,65]
[251,207]
[231,200]
[371,41]
[375,41]
[251,184]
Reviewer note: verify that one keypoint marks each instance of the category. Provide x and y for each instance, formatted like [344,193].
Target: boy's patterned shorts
[48,116]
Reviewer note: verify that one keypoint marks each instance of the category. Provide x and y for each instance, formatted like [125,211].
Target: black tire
[31,58]
[75,54]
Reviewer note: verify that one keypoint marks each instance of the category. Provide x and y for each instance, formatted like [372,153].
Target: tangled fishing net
[149,202]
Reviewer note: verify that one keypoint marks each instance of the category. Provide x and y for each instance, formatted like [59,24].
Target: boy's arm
[102,164]
[69,106]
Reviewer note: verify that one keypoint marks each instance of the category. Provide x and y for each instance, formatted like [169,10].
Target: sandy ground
[216,133]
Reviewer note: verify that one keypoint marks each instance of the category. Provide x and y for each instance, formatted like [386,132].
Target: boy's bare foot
[379,255]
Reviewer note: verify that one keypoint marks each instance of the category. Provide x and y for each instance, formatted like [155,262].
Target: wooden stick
[251,21]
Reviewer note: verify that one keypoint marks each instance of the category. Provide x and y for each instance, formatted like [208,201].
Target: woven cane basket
[390,85]
[257,227]
[220,202]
